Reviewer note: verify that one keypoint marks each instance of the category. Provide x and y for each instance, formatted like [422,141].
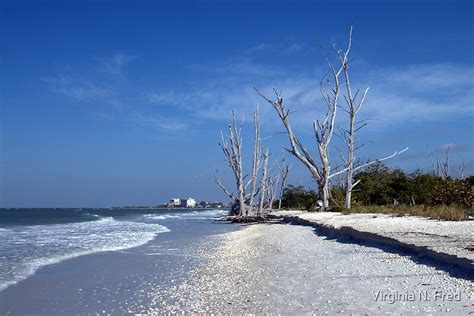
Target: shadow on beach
[328,234]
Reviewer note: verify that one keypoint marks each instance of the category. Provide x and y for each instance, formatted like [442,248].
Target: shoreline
[112,282]
[32,239]
[45,263]
[212,266]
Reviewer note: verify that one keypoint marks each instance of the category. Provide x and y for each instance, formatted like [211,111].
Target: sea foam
[25,249]
[186,214]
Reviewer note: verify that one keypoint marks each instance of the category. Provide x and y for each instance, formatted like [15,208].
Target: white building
[189,202]
[175,202]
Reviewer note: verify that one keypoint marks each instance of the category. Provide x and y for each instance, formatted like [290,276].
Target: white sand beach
[454,238]
[289,269]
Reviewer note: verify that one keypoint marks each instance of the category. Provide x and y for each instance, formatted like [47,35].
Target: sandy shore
[449,238]
[277,268]
[216,267]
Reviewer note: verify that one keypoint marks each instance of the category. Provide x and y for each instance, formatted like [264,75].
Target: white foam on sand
[207,214]
[161,217]
[25,249]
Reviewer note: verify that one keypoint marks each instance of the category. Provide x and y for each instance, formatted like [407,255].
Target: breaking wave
[25,249]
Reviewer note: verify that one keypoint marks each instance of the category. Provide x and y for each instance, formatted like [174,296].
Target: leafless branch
[370,162]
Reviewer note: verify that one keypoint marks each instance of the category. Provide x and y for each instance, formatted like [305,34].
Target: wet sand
[114,282]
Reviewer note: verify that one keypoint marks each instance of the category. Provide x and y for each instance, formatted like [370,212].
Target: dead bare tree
[272,184]
[353,106]
[435,167]
[323,131]
[461,168]
[232,150]
[446,172]
[321,171]
[442,169]
[284,170]
[263,183]
[231,145]
[257,148]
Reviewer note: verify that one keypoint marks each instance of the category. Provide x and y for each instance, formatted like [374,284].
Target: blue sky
[114,102]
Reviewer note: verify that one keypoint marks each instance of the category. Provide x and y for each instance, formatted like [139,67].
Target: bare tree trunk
[231,146]
[446,172]
[349,185]
[256,157]
[322,131]
[438,167]
[233,154]
[324,193]
[353,107]
[272,184]
[263,182]
[237,143]
[435,172]
[350,139]
[283,174]
[441,169]
[461,170]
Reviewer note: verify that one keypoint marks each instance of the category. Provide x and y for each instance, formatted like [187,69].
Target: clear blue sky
[119,102]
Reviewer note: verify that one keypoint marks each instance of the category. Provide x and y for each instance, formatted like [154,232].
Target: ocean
[34,238]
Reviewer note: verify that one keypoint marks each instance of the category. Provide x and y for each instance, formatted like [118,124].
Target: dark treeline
[380,186]
[297,197]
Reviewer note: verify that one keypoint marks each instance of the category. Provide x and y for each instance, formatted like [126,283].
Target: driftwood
[246,219]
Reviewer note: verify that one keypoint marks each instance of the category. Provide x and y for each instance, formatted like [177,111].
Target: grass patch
[442,212]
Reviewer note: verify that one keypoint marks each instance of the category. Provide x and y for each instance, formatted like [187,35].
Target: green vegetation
[299,198]
[382,190]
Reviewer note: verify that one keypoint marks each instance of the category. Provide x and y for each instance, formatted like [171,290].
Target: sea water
[33,238]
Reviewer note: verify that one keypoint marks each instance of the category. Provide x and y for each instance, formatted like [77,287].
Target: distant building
[207,204]
[189,202]
[175,202]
